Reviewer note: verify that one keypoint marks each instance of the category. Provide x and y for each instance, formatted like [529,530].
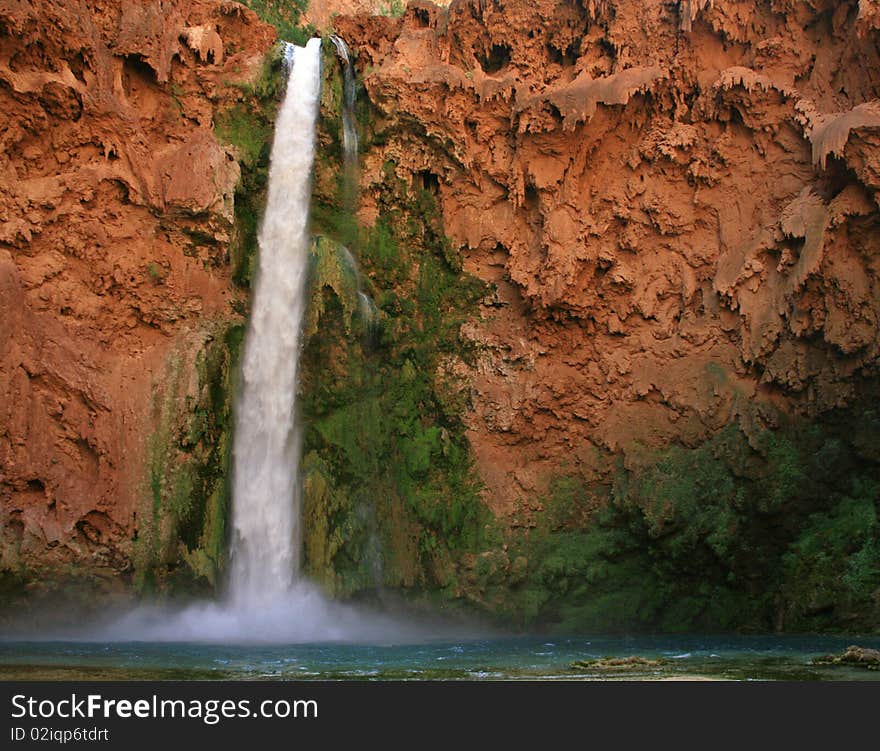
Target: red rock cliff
[116,207]
[676,201]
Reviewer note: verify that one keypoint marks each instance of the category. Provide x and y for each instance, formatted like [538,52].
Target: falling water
[265,544]
[367,309]
[349,132]
[269,600]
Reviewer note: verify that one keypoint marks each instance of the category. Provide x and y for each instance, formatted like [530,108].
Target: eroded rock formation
[116,202]
[676,202]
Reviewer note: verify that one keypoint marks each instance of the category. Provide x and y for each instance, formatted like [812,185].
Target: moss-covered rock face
[778,530]
[247,126]
[285,16]
[334,273]
[181,537]
[390,496]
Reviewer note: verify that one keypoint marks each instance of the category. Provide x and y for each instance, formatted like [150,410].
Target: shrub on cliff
[285,16]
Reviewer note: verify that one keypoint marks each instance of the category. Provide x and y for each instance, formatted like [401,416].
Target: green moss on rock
[722,536]
[749,530]
[285,16]
[390,494]
[247,125]
[181,537]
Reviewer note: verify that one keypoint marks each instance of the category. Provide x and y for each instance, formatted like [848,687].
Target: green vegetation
[155,272]
[181,533]
[779,531]
[247,126]
[387,465]
[333,270]
[833,568]
[285,16]
[718,537]
[392,8]
[776,530]
[390,496]
[248,134]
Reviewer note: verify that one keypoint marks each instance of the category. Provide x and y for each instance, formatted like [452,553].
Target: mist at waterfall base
[301,614]
[268,599]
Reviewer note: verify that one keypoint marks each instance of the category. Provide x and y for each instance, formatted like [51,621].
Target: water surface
[520,658]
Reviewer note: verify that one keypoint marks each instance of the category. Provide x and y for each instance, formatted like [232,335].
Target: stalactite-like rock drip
[679,218]
[116,205]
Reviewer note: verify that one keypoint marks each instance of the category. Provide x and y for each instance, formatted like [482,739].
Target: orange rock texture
[116,203]
[676,202]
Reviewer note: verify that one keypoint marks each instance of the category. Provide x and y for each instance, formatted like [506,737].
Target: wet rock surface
[618,663]
[116,205]
[862,657]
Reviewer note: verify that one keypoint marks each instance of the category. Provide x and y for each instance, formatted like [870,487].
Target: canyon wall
[618,361]
[675,202]
[117,207]
[672,376]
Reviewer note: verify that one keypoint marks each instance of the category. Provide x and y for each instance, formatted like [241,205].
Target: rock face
[675,205]
[117,205]
[676,202]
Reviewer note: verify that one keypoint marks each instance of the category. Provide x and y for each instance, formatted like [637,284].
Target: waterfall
[268,599]
[349,132]
[265,553]
[367,309]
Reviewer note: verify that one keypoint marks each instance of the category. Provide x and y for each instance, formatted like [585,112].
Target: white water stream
[268,599]
[265,554]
